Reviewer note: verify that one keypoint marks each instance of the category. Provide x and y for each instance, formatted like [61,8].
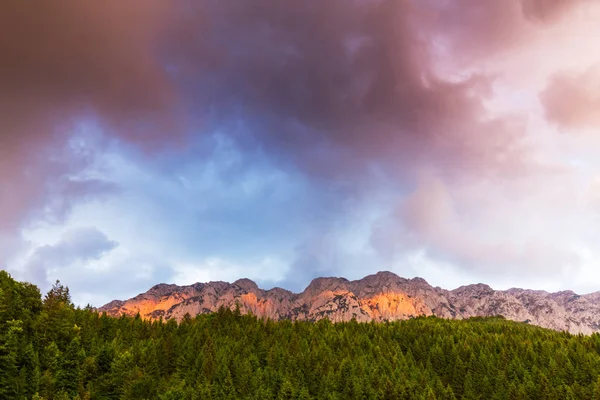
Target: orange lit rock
[380,297]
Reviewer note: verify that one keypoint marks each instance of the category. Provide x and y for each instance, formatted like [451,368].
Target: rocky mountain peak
[318,285]
[379,280]
[477,289]
[419,281]
[161,288]
[383,275]
[246,284]
[280,293]
[383,296]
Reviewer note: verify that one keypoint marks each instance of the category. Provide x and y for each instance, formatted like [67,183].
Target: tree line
[51,350]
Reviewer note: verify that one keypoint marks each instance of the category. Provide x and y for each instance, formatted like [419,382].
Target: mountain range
[381,297]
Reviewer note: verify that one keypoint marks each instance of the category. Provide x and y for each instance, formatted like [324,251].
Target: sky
[188,141]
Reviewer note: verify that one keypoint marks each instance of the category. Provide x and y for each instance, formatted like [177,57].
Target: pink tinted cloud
[63,61]
[288,66]
[551,11]
[486,27]
[73,57]
[499,236]
[380,102]
[573,100]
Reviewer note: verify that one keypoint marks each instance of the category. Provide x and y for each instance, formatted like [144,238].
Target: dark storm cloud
[338,85]
[67,57]
[64,60]
[333,87]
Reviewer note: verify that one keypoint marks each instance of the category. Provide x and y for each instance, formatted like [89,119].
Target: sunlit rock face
[380,297]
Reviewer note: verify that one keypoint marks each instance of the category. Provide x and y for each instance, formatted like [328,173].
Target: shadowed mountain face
[380,297]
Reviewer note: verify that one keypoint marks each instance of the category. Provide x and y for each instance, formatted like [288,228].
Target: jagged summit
[383,296]
[246,284]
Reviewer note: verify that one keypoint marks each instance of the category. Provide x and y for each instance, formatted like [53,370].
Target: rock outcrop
[380,297]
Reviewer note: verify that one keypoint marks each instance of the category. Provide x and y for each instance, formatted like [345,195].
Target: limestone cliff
[380,297]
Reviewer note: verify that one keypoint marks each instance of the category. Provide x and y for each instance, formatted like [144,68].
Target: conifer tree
[68,377]
[9,357]
[31,370]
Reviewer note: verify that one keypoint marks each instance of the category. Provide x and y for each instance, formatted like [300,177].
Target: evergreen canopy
[49,349]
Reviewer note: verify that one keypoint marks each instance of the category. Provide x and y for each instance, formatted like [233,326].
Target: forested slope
[52,350]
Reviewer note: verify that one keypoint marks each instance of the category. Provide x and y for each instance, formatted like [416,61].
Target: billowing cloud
[308,138]
[499,236]
[548,10]
[70,57]
[573,100]
[68,61]
[80,245]
[337,87]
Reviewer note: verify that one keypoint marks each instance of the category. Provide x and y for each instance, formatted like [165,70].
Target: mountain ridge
[379,297]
